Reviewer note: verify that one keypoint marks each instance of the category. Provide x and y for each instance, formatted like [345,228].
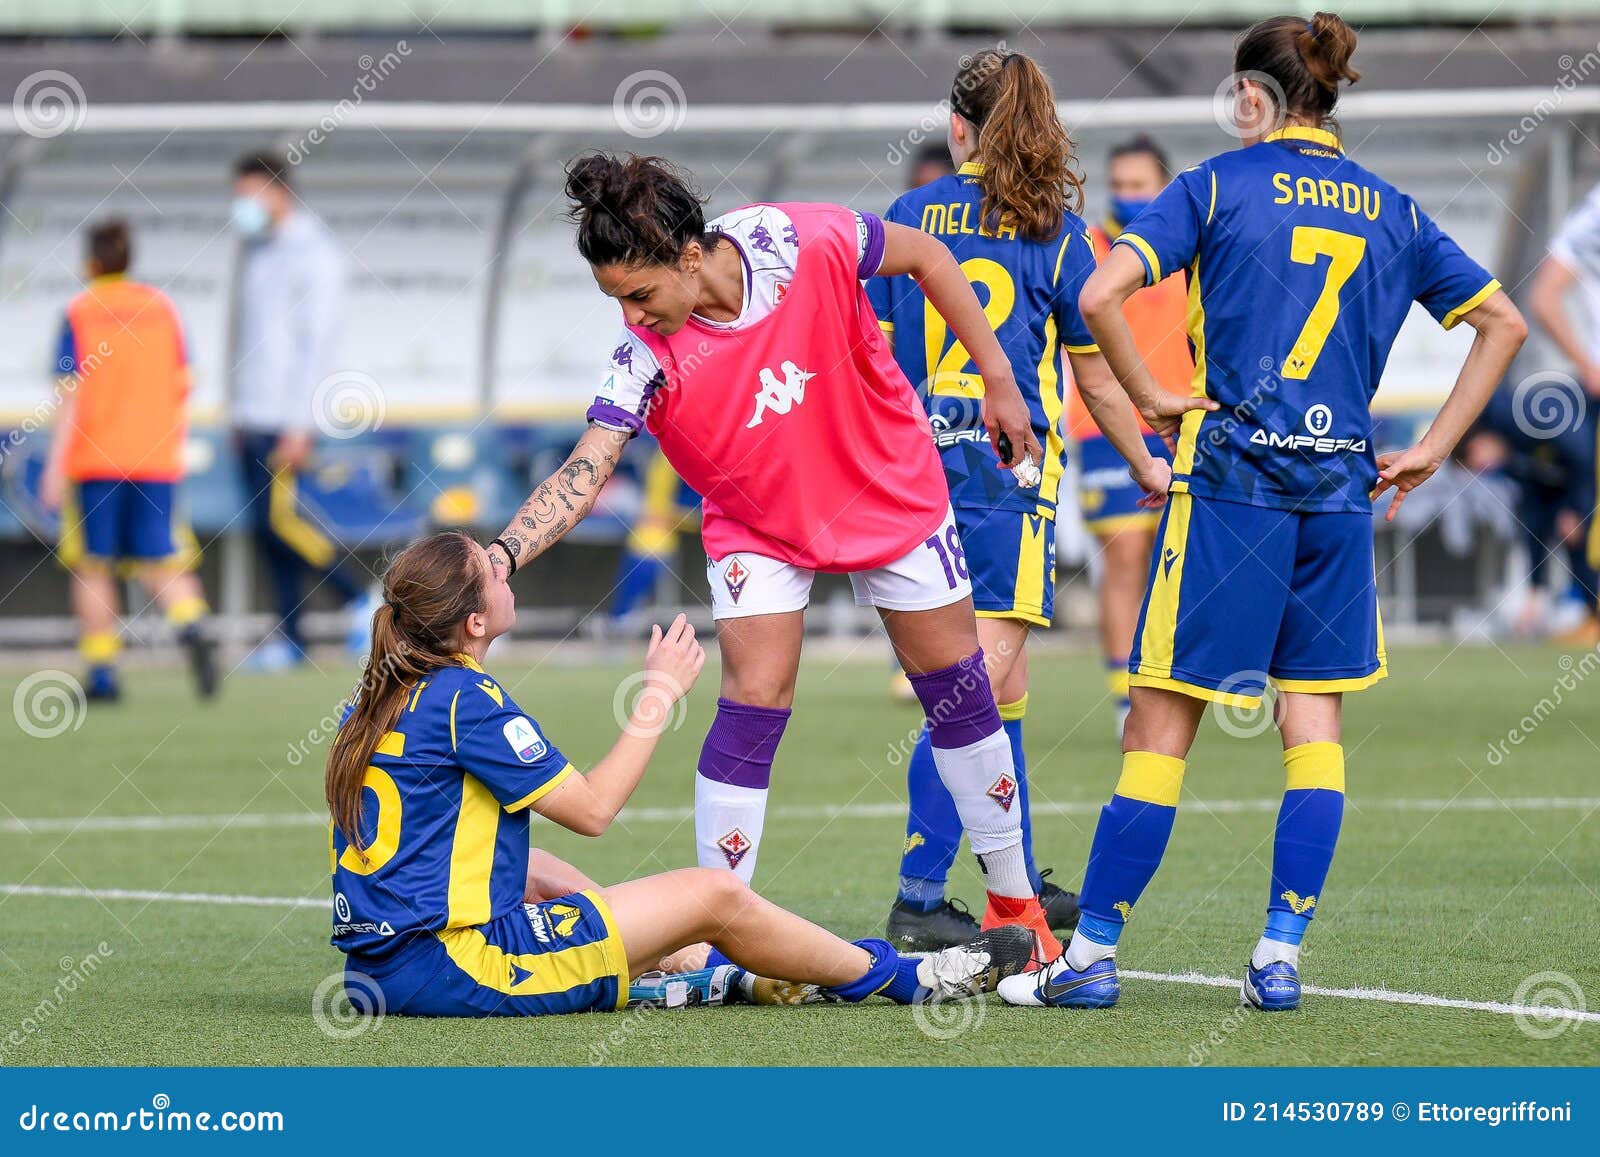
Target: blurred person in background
[1572,267]
[931,162]
[289,292]
[667,508]
[1108,498]
[116,459]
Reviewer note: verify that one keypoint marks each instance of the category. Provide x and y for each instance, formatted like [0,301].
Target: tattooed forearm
[564,499]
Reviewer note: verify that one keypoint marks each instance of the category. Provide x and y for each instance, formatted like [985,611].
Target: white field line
[861,811]
[1380,995]
[1383,995]
[150,897]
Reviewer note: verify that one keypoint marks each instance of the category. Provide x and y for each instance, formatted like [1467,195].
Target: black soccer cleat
[977,966]
[1060,906]
[202,652]
[911,930]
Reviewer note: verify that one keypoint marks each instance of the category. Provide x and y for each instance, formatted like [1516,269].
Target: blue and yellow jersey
[444,815]
[1302,265]
[1029,291]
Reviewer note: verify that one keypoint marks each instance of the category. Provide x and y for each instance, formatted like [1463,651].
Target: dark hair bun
[632,210]
[1327,44]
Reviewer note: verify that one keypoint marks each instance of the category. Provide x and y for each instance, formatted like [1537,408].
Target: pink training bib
[799,431]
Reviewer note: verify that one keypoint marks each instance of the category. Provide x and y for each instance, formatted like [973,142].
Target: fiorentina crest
[734,847]
[735,575]
[1003,791]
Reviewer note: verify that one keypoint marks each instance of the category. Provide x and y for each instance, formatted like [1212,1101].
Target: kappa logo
[1167,559]
[623,355]
[525,739]
[1003,791]
[1298,906]
[735,575]
[779,397]
[735,846]
[761,240]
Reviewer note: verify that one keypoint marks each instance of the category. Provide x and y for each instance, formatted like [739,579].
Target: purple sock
[958,702]
[742,743]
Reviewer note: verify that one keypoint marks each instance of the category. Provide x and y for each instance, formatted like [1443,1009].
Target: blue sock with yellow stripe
[1117,682]
[933,831]
[1302,850]
[1011,716]
[1129,841]
[891,974]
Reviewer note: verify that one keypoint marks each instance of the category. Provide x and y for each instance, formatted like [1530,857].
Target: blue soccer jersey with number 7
[1302,266]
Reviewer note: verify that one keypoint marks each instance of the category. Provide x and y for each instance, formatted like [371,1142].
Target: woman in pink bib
[751,352]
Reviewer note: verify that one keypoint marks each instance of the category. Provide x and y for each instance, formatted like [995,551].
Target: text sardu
[1348,196]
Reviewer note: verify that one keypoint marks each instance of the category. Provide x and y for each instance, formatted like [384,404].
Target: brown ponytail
[1028,179]
[428,592]
[1307,59]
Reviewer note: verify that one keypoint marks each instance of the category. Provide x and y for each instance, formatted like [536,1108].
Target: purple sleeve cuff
[872,252]
[614,417]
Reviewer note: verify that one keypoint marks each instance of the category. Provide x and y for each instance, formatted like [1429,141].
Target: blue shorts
[119,520]
[1242,593]
[1107,497]
[561,955]
[1011,556]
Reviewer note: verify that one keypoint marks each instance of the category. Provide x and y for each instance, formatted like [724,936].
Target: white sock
[1005,872]
[983,782]
[1268,951]
[727,825]
[1082,951]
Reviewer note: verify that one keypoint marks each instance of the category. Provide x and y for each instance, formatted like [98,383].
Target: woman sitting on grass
[437,902]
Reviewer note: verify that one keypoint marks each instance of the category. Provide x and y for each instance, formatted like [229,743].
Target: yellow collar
[971,169]
[107,278]
[469,662]
[1301,133]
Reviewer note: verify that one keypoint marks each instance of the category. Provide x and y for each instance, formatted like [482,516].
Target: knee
[759,691]
[721,891]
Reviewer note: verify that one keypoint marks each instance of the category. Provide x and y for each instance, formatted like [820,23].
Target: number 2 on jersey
[1344,252]
[948,374]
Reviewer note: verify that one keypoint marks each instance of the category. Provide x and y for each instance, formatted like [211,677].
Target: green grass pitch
[1459,876]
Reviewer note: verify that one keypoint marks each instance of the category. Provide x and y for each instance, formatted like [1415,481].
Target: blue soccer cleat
[1062,986]
[704,987]
[1273,987]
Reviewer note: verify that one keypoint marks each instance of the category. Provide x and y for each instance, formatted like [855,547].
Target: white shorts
[932,574]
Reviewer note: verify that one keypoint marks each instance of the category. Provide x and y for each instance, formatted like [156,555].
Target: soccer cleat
[202,653]
[913,930]
[1060,906]
[101,686]
[975,967]
[762,990]
[1002,910]
[706,986]
[1062,986]
[1274,987]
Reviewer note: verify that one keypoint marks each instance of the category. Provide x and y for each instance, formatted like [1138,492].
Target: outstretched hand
[673,660]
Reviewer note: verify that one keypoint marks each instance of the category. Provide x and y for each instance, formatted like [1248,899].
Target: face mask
[249,216]
[1125,209]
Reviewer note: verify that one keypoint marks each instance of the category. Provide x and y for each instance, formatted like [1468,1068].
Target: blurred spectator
[931,162]
[116,458]
[1572,270]
[285,323]
[667,508]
